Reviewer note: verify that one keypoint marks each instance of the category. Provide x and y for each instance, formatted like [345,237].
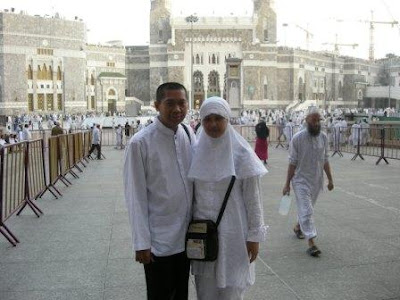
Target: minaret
[266,27]
[160,34]
[160,14]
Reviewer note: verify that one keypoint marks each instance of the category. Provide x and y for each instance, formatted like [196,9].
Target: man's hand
[330,185]
[252,250]
[143,256]
[286,190]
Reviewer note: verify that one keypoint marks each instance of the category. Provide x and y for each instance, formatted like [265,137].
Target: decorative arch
[50,73]
[340,89]
[198,80]
[360,94]
[112,100]
[111,92]
[213,84]
[59,76]
[44,72]
[30,72]
[39,72]
[301,89]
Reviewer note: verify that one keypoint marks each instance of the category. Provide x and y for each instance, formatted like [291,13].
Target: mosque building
[46,65]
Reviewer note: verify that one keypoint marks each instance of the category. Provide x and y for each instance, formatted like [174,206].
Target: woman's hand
[252,250]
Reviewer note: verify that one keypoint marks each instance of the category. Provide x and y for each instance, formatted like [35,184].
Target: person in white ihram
[308,158]
[219,154]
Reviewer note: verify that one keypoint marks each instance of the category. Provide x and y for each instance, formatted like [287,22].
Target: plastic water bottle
[284,206]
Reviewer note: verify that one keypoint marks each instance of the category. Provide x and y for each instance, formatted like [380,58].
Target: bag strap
[187,132]
[228,192]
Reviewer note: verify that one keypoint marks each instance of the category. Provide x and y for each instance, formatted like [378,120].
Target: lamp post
[191,19]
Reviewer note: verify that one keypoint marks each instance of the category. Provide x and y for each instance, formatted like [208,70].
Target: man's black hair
[167,87]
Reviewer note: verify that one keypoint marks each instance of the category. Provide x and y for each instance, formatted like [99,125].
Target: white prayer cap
[217,106]
[313,110]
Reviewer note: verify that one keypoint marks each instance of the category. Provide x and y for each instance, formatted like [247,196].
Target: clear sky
[129,20]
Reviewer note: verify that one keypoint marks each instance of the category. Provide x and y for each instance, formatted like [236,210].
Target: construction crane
[337,45]
[309,35]
[372,23]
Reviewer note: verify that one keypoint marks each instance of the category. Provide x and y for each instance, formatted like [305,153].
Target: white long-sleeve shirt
[157,191]
[96,136]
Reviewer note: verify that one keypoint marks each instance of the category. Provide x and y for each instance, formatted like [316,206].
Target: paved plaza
[81,247]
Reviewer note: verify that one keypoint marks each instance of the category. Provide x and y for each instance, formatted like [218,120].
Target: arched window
[29,72]
[340,90]
[213,84]
[44,72]
[198,81]
[91,79]
[197,59]
[301,89]
[39,73]
[213,59]
[58,73]
[111,92]
[50,73]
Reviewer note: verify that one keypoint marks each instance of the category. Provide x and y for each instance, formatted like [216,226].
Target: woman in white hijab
[220,153]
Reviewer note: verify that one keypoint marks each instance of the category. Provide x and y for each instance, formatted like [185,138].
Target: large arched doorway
[198,79]
[213,84]
[112,101]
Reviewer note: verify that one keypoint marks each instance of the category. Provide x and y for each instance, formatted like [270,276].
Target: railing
[382,141]
[23,173]
[16,186]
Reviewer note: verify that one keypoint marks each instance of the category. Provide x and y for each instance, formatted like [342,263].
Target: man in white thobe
[118,133]
[159,195]
[288,131]
[26,134]
[355,134]
[96,141]
[308,159]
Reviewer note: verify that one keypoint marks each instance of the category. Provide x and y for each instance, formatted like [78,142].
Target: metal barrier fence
[23,172]
[16,186]
[381,141]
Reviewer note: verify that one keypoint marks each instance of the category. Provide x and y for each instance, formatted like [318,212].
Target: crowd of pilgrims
[18,127]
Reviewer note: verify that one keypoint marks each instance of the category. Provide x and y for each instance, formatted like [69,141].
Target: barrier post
[336,141]
[27,200]
[3,228]
[358,146]
[382,148]
[47,188]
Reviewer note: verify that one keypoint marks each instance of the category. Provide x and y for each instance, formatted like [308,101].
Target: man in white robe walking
[308,159]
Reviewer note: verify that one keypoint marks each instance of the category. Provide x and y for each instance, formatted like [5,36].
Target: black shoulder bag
[202,235]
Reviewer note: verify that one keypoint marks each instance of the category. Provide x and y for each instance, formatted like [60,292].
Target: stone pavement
[81,247]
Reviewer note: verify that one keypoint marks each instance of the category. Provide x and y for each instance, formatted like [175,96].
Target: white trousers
[305,210]
[207,289]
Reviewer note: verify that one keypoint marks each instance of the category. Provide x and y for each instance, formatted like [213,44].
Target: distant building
[47,66]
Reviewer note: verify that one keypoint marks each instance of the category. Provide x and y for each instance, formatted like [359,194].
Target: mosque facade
[46,66]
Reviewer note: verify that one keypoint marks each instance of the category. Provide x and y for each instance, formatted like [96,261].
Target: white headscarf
[218,158]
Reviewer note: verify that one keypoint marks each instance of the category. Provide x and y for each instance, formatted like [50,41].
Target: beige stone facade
[47,66]
[271,76]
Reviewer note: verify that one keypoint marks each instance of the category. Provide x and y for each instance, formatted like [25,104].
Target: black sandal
[298,233]
[313,251]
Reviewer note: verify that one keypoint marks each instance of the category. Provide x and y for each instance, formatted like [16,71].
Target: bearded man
[308,158]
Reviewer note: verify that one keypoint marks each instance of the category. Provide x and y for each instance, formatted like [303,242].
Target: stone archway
[198,79]
[213,84]
[112,101]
